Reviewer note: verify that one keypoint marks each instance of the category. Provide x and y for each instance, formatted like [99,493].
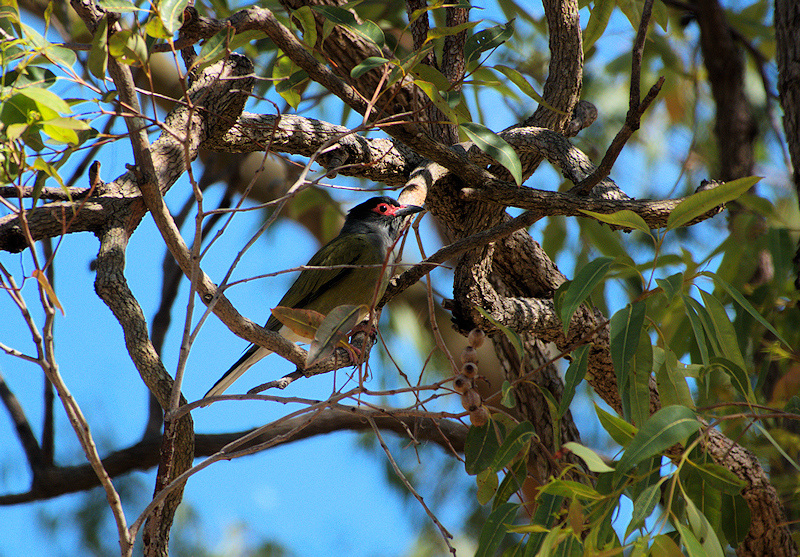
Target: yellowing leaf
[44,284]
[302,322]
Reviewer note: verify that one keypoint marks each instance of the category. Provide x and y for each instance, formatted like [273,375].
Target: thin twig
[447,536]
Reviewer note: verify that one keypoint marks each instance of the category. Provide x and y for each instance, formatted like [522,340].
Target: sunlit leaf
[368,30]
[368,64]
[598,20]
[306,19]
[593,461]
[620,431]
[486,40]
[496,147]
[98,55]
[171,13]
[44,284]
[703,201]
[624,218]
[120,6]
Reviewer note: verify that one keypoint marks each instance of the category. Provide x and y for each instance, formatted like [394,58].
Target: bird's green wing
[323,289]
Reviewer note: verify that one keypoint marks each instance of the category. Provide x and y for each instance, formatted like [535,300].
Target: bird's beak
[408,210]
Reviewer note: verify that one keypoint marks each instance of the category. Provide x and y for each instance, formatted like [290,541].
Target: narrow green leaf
[672,386]
[777,447]
[745,305]
[739,377]
[294,80]
[573,377]
[480,448]
[513,337]
[571,490]
[487,485]
[306,19]
[585,281]
[437,32]
[508,399]
[120,6]
[302,322]
[620,431]
[703,531]
[48,103]
[593,461]
[496,147]
[703,201]
[98,55]
[438,100]
[129,48]
[519,80]
[643,507]
[719,477]
[735,518]
[512,482]
[625,330]
[171,13]
[664,429]
[155,28]
[723,328]
[671,285]
[639,391]
[495,529]
[333,330]
[368,30]
[512,445]
[690,543]
[368,64]
[213,49]
[598,20]
[664,546]
[693,310]
[624,218]
[487,39]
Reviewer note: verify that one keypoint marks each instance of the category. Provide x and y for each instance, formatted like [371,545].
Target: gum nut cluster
[464,382]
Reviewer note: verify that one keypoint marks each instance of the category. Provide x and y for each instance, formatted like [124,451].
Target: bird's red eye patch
[384,209]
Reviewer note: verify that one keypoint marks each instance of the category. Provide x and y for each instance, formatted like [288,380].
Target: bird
[369,233]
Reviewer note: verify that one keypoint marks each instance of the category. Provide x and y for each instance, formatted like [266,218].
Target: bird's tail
[250,357]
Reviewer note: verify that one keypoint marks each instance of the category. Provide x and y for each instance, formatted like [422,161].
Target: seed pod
[476,338]
[469,369]
[462,383]
[469,355]
[479,417]
[471,400]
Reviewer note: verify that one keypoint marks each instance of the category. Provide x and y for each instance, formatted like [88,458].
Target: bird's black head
[379,214]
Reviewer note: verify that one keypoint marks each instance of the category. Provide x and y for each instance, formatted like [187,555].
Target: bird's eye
[383,208]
